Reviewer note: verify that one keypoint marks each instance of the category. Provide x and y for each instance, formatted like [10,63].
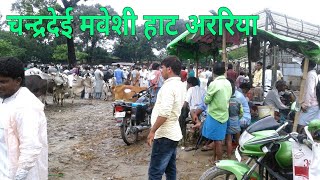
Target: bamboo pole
[249,60]
[275,66]
[301,93]
[264,55]
[224,46]
[197,64]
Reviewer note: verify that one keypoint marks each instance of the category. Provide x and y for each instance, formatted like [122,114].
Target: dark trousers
[163,159]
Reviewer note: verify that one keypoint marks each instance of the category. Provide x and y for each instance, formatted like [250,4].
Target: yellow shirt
[257,78]
[169,102]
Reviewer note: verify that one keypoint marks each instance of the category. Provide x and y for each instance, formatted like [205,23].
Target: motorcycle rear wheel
[215,173]
[127,135]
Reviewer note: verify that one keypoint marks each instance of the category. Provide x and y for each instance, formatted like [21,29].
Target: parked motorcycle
[133,118]
[265,143]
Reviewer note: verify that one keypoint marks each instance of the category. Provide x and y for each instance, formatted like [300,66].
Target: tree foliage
[134,48]
[89,42]
[238,53]
[86,48]
[60,53]
[7,49]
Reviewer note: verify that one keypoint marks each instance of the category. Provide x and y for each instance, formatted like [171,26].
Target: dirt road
[84,143]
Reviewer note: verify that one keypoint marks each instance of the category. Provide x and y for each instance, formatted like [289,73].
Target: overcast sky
[306,10]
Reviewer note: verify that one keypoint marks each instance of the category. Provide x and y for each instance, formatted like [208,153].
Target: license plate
[238,156]
[118,124]
[119,114]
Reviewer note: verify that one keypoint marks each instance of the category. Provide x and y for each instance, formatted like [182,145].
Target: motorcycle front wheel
[128,135]
[215,173]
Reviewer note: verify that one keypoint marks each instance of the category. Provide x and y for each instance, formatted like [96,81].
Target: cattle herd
[61,85]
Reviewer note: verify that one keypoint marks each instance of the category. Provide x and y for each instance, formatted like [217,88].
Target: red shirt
[183,75]
[232,75]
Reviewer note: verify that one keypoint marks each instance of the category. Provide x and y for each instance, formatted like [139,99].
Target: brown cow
[119,94]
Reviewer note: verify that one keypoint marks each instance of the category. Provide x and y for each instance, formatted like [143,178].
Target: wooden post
[264,54]
[197,64]
[249,60]
[275,66]
[224,46]
[301,93]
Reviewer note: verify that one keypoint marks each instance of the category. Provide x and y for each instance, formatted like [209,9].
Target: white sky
[306,10]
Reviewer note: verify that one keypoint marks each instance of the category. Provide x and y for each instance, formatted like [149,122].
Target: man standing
[135,76]
[118,75]
[183,74]
[217,97]
[191,71]
[23,127]
[165,132]
[257,78]
[98,75]
[144,74]
[310,104]
[231,74]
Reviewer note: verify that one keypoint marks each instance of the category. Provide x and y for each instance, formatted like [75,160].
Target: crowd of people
[221,96]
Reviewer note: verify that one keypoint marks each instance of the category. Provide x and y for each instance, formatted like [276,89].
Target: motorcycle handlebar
[282,127]
[147,90]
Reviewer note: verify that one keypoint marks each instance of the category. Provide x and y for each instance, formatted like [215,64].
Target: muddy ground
[84,143]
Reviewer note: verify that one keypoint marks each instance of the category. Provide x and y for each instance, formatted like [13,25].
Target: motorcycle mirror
[127,90]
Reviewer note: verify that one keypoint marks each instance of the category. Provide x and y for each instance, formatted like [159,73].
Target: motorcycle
[265,143]
[133,118]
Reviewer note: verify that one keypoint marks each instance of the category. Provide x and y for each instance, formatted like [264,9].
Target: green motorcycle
[268,148]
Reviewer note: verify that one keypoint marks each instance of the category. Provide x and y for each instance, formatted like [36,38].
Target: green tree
[89,42]
[39,7]
[70,42]
[60,53]
[134,48]
[238,53]
[160,42]
[28,49]
[7,49]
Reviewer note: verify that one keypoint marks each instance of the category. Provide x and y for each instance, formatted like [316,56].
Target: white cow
[78,84]
[60,87]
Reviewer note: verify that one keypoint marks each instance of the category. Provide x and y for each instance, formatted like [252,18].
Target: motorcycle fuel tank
[253,147]
[284,155]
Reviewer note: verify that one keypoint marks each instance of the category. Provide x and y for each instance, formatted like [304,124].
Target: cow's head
[60,79]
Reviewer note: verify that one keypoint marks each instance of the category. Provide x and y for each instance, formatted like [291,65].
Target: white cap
[100,66]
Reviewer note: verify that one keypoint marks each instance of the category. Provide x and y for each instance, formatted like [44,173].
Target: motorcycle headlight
[245,137]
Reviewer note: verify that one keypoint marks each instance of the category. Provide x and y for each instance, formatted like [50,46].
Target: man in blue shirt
[118,74]
[191,71]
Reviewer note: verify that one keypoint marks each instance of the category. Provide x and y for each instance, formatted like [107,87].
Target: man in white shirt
[144,74]
[23,127]
[165,132]
[195,94]
[99,82]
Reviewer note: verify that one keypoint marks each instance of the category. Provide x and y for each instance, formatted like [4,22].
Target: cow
[107,89]
[39,85]
[119,94]
[77,84]
[60,87]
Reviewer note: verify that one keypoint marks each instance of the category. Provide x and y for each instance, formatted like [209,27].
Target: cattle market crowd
[219,102]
